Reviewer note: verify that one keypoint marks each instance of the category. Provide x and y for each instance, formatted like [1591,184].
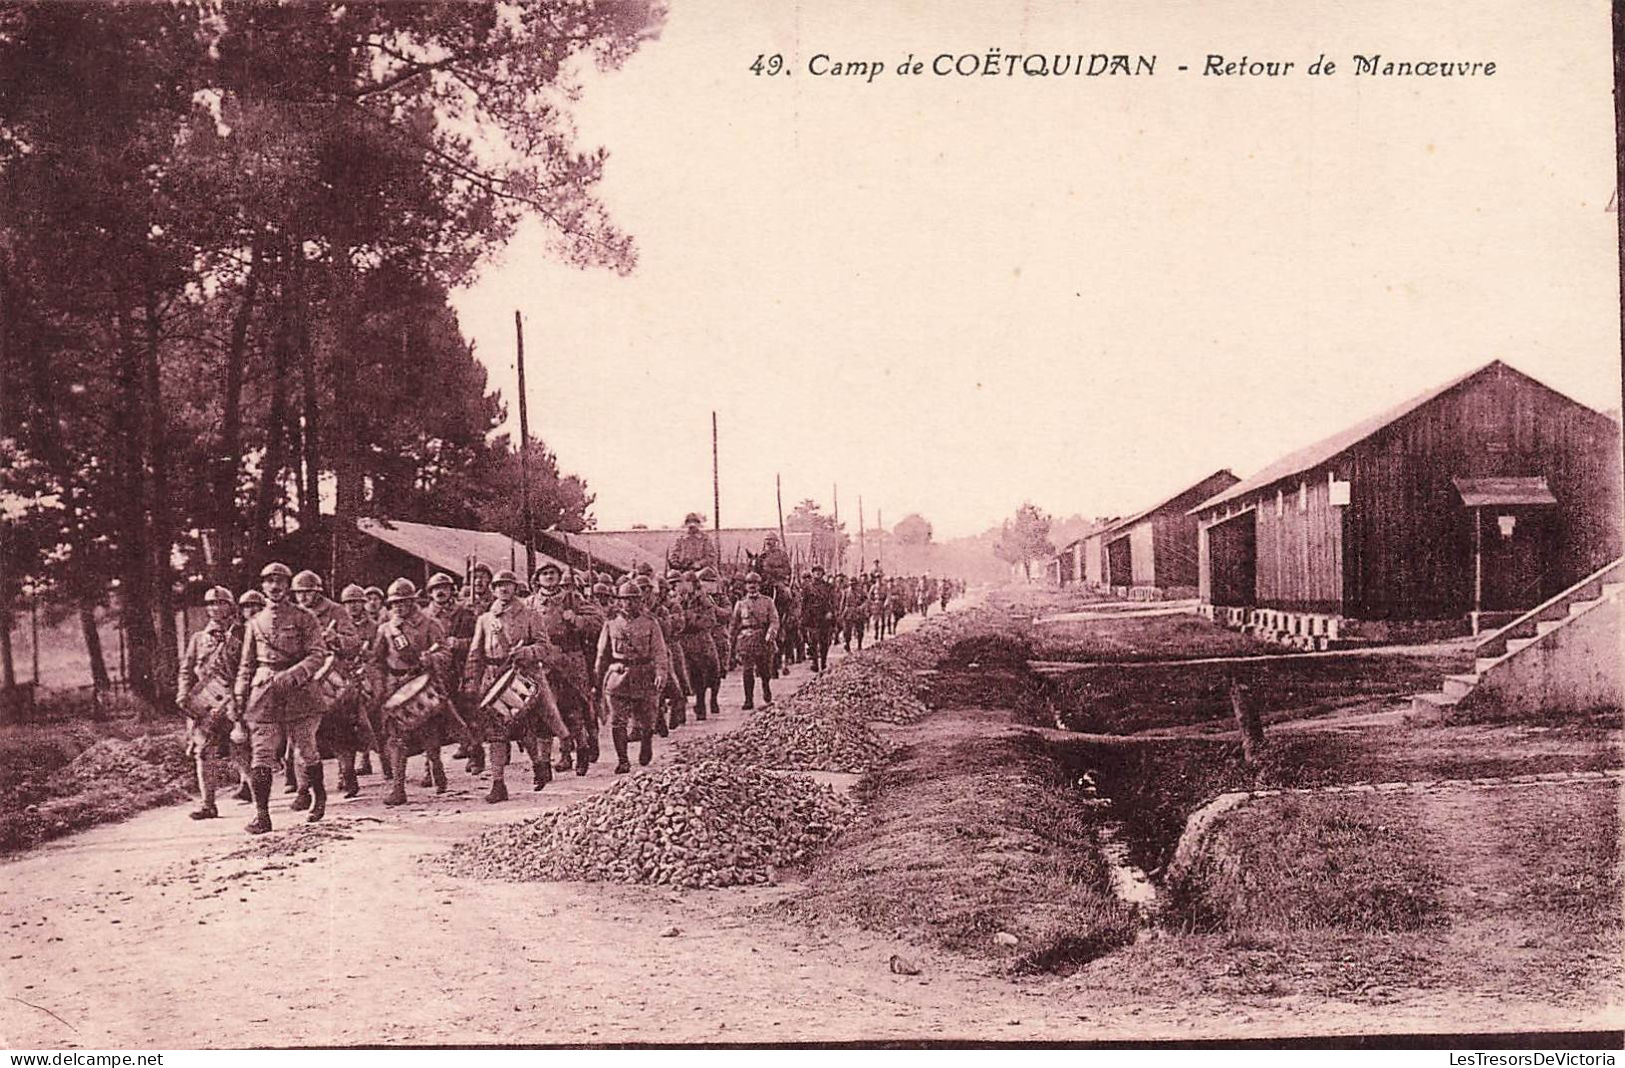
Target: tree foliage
[1025,538]
[913,529]
[228,231]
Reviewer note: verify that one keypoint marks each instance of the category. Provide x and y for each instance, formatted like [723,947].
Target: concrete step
[1432,705]
[1546,626]
[1611,589]
[1515,644]
[1484,663]
[1459,686]
[1581,606]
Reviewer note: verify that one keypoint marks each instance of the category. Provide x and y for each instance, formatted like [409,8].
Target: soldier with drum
[506,667]
[203,691]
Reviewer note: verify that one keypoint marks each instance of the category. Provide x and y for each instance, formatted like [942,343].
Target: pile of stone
[797,736]
[705,824]
[863,685]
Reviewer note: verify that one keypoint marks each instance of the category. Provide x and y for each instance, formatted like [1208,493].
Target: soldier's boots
[428,773]
[541,773]
[244,792]
[646,749]
[318,793]
[301,800]
[261,786]
[566,759]
[767,693]
[622,765]
[385,768]
[290,780]
[366,763]
[750,690]
[716,709]
[660,724]
[699,707]
[679,712]
[437,776]
[476,759]
[205,811]
[397,784]
[348,786]
[581,760]
[592,744]
[498,794]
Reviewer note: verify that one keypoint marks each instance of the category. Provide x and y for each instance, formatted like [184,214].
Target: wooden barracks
[1458,509]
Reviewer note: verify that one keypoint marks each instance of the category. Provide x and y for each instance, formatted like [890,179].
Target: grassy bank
[965,838]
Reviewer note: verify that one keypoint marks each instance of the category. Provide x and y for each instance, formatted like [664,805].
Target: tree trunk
[229,461]
[310,492]
[93,646]
[1248,722]
[8,681]
[135,585]
[275,426]
[346,462]
[163,535]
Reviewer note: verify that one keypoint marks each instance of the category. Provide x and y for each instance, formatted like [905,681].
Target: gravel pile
[696,825]
[148,762]
[866,686]
[811,736]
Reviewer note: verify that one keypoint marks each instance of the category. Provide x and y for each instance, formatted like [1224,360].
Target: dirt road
[164,933]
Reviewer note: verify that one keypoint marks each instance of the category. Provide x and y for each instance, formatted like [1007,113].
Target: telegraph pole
[716,493]
[524,446]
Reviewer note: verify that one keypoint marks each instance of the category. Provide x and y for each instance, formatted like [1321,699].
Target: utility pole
[863,555]
[840,549]
[716,492]
[524,446]
[778,490]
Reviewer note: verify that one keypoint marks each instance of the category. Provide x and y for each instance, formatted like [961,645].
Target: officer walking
[634,667]
[754,632]
[283,646]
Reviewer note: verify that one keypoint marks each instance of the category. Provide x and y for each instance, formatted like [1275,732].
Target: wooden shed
[1469,503]
[1152,553]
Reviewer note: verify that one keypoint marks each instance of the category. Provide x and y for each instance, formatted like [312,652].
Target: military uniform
[458,617]
[210,653]
[774,566]
[337,724]
[570,624]
[634,666]
[398,656]
[818,614]
[513,635]
[754,630]
[283,645]
[691,552]
[699,649]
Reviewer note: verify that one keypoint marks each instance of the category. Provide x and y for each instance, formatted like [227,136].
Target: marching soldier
[754,631]
[480,596]
[248,606]
[410,643]
[711,583]
[352,718]
[458,618]
[818,615]
[508,635]
[342,642]
[669,610]
[210,654]
[375,605]
[567,626]
[283,645]
[693,551]
[774,564]
[698,646]
[633,667]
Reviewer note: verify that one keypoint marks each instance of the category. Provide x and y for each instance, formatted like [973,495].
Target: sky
[952,295]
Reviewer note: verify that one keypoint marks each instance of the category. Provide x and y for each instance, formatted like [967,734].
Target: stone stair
[1594,601]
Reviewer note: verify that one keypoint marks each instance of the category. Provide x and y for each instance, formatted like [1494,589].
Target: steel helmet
[753,577]
[693,517]
[276,569]
[403,589]
[353,593]
[438,579]
[603,589]
[504,576]
[548,565]
[307,580]
[629,591]
[481,567]
[374,591]
[251,597]
[218,595]
[708,574]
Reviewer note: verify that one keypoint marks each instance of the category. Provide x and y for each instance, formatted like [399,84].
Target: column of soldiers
[281,671]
